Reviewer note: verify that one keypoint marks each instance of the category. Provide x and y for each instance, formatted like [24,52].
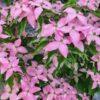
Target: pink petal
[90,73]
[48,89]
[16,9]
[22,95]
[62,22]
[30,71]
[82,19]
[4,61]
[63,49]
[17,69]
[43,78]
[52,46]
[80,46]
[58,36]
[31,20]
[47,5]
[5,96]
[3,54]
[47,30]
[50,97]
[9,73]
[71,14]
[70,10]
[97,31]
[58,91]
[4,12]
[55,61]
[3,69]
[65,29]
[37,12]
[17,43]
[75,36]
[13,96]
[97,40]
[95,58]
[2,22]
[24,85]
[89,38]
[34,89]
[21,49]
[25,1]
[30,97]
[70,17]
[94,85]
[4,36]
[26,9]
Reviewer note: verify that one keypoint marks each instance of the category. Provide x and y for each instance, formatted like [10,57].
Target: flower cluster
[35,74]
[91,4]
[49,49]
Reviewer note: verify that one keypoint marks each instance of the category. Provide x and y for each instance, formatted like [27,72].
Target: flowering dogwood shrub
[49,49]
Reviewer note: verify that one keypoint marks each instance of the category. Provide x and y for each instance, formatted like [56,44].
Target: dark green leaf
[8,2]
[21,26]
[97,13]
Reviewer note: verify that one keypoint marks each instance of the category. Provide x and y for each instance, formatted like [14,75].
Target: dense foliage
[49,49]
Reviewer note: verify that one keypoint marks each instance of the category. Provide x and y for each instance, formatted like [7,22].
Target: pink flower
[96,58]
[42,3]
[95,78]
[47,30]
[38,72]
[12,67]
[61,29]
[8,64]
[15,10]
[58,89]
[28,88]
[84,96]
[57,45]
[32,10]
[72,14]
[57,6]
[75,37]
[10,93]
[16,47]
[91,4]
[57,29]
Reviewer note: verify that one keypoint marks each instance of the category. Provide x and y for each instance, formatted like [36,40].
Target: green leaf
[49,60]
[97,13]
[38,58]
[10,81]
[40,21]
[61,62]
[8,2]
[21,26]
[84,84]
[53,1]
[70,3]
[42,84]
[40,46]
[8,30]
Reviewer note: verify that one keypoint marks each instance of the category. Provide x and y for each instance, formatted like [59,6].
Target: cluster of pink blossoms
[29,86]
[71,28]
[91,4]
[8,58]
